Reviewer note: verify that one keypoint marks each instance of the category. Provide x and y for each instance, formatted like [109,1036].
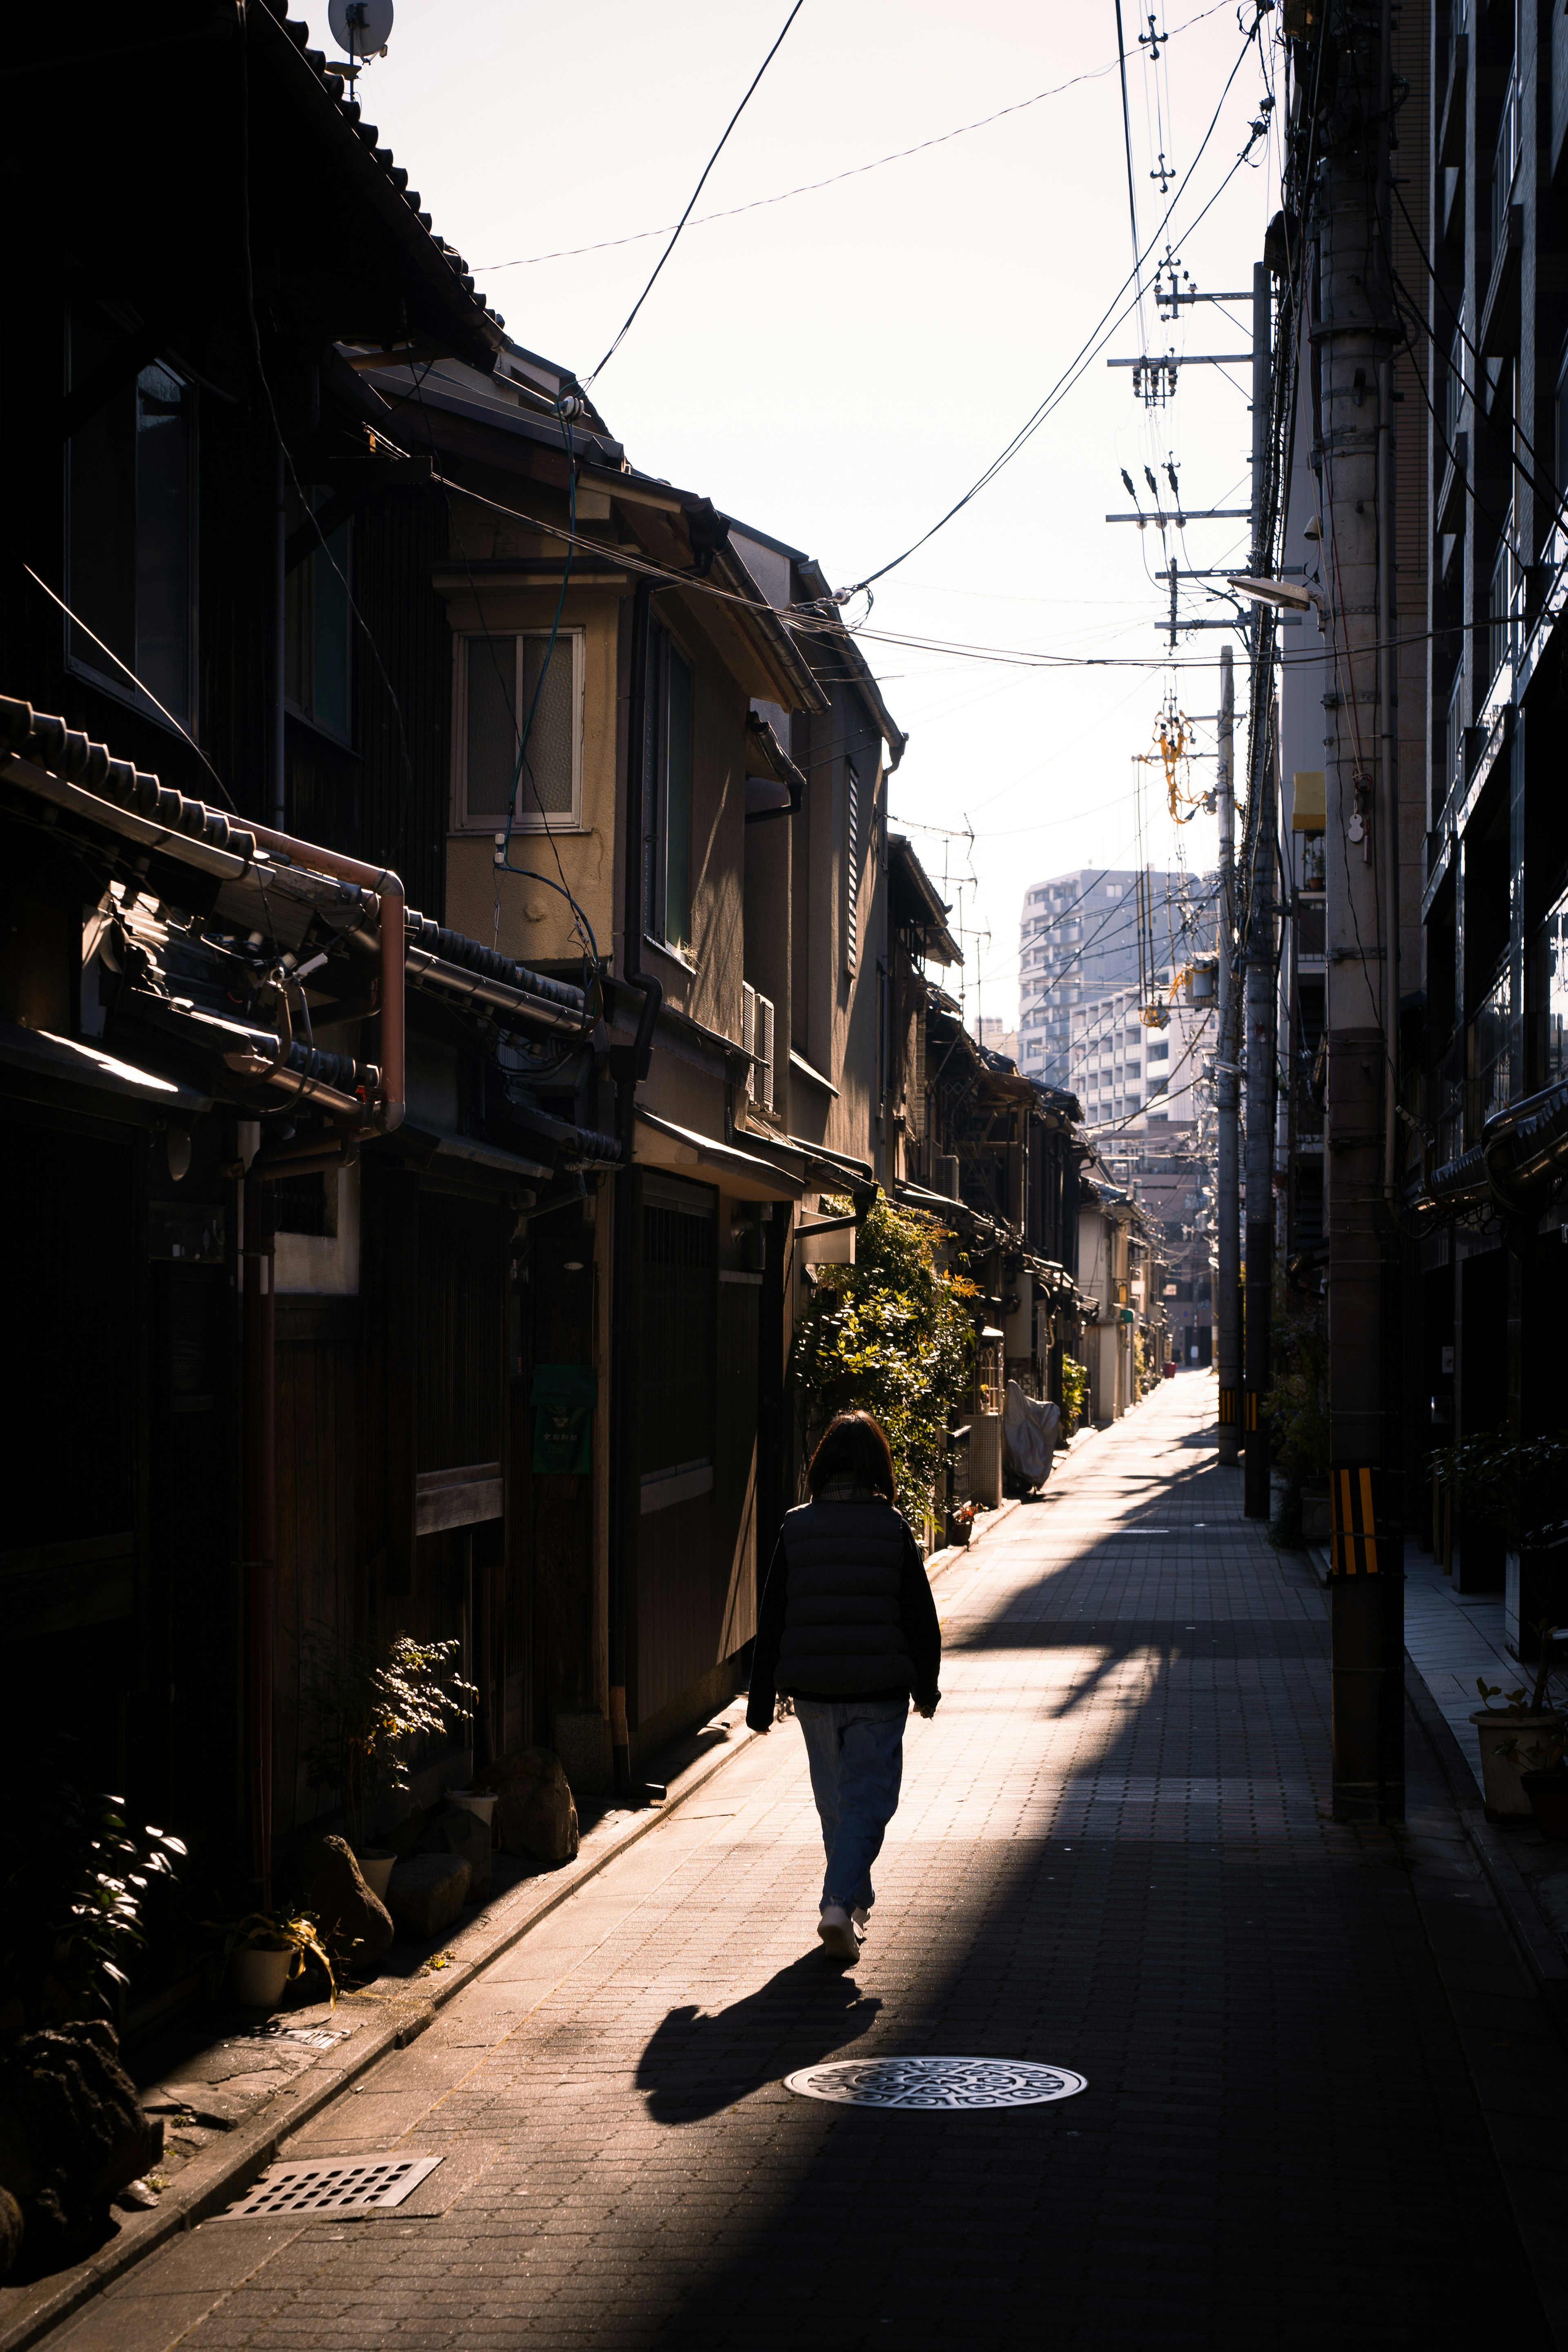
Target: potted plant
[1506,1759]
[367,1703]
[263,1951]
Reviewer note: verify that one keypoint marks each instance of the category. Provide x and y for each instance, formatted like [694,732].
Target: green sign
[563,1398]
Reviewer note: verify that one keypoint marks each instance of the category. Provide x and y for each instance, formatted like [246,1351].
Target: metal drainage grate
[947,2083]
[334,2184]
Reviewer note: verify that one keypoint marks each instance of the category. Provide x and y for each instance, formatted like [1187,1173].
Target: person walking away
[848,1631]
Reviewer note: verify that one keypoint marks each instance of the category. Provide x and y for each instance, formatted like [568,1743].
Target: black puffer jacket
[846,1612]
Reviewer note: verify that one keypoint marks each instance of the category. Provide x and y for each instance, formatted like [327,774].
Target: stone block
[459,1831]
[427,1894]
[354,1924]
[535,1814]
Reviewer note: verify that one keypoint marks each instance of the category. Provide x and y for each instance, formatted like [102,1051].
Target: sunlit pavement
[1111,1853]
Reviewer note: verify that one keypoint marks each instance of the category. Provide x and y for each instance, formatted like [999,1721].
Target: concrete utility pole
[1263,1010]
[1354,335]
[1227,1090]
[1262,991]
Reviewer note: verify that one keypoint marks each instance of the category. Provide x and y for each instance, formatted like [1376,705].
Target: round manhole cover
[948,2083]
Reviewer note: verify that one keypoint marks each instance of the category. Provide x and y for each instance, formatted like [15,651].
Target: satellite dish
[364,27]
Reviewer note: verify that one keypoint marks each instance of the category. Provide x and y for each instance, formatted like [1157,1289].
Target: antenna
[363,27]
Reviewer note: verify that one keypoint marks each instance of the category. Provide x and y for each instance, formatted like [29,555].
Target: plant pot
[473,1800]
[376,1868]
[257,1977]
[1548,1795]
[1502,1777]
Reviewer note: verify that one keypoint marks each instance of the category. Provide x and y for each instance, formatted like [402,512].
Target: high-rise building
[1078,943]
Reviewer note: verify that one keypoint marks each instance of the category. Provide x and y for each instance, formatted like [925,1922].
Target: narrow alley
[1319,2089]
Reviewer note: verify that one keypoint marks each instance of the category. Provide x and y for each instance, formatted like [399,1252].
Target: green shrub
[891,1335]
[1074,1393]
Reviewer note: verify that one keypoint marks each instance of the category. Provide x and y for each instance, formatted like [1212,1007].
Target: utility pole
[1227,1088]
[1355,335]
[1261,996]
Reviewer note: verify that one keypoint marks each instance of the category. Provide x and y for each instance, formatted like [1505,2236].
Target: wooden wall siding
[189,1618]
[676,1630]
[75,1527]
[405,785]
[462,1300]
[71,1216]
[320,1588]
[676,1326]
[550,1573]
[733,1564]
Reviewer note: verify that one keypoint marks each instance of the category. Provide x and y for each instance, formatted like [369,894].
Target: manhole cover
[333,2185]
[936,2083]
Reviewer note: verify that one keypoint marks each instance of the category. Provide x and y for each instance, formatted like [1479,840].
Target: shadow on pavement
[693,2065]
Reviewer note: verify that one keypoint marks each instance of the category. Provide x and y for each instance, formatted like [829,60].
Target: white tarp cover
[1029,1432]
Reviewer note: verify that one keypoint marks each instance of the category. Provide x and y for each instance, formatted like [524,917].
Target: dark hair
[854,1445]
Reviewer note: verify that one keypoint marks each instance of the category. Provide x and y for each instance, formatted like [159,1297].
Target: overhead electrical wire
[697,192]
[1087,352]
[854,172]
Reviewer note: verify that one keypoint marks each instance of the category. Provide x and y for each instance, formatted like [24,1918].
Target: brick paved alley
[1111,1853]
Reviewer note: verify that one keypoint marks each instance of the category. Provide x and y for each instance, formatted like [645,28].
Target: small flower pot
[1548,1795]
[1502,1777]
[474,1801]
[257,1977]
[376,1869]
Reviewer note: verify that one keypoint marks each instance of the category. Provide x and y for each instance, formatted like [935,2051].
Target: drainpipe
[277,632]
[629,1064]
[260,1519]
[1388,849]
[389,895]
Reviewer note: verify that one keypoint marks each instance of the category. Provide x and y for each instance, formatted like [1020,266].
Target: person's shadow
[693,2065]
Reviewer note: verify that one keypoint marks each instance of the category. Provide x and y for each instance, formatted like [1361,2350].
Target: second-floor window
[129,572]
[506,690]
[315,639]
[667,802]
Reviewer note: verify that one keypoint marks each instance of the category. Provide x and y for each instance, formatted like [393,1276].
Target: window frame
[570,639]
[308,715]
[664,646]
[108,678]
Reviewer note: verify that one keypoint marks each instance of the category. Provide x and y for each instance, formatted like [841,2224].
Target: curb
[211,2181]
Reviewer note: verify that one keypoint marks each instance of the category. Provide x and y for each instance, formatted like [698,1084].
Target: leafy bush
[891,1335]
[1518,1485]
[1074,1393]
[73,1876]
[367,1704]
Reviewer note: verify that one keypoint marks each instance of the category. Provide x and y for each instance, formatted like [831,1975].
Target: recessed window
[316,643]
[667,824]
[129,574]
[506,689]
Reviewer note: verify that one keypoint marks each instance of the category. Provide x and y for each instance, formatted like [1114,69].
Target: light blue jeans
[855,1749]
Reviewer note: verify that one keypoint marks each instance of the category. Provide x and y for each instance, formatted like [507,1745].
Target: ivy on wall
[891,1335]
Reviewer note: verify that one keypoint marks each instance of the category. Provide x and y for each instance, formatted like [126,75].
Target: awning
[76,1062]
[660,1144]
[431,1146]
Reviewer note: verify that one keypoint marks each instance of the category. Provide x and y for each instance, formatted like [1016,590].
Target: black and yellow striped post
[1227,1416]
[1366,1572]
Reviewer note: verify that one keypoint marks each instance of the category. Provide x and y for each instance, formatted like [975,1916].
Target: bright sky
[839,368]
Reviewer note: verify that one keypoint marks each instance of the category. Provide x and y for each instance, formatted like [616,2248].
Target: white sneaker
[837,1931]
[861,1918]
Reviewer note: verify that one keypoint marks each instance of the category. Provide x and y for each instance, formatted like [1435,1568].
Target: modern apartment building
[1078,944]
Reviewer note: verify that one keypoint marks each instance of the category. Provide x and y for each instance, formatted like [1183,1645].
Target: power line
[854,172]
[697,192]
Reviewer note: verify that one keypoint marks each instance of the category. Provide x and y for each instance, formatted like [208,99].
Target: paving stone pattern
[1111,1854]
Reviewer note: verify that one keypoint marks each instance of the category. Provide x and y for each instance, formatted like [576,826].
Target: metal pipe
[1228,1089]
[429,971]
[1386,842]
[260,1567]
[389,898]
[1262,1006]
